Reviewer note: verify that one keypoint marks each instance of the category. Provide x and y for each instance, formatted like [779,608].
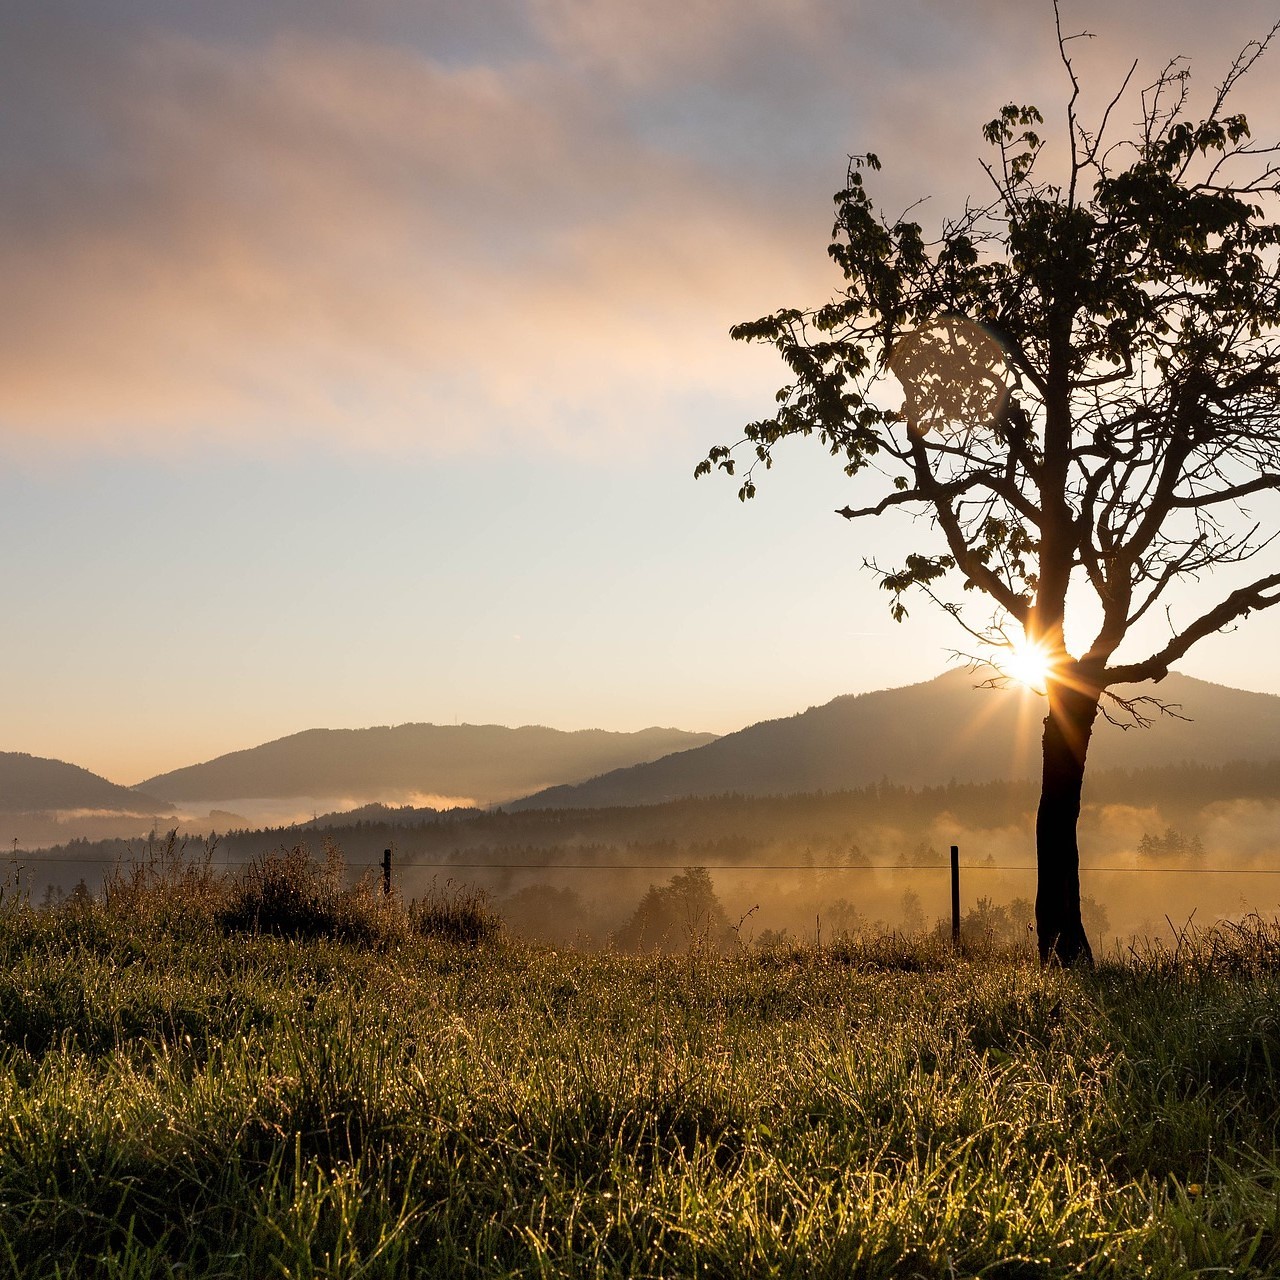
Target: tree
[1173,844]
[1088,372]
[684,912]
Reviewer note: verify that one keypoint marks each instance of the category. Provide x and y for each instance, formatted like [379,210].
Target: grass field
[183,1098]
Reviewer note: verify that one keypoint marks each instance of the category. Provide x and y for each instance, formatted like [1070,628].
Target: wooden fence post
[386,873]
[955,896]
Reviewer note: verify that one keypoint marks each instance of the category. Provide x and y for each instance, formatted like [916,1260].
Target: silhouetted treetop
[1075,382]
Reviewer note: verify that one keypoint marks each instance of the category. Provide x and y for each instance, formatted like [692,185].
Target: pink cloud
[360,243]
[312,238]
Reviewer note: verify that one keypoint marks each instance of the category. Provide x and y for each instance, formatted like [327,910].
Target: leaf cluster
[1073,382]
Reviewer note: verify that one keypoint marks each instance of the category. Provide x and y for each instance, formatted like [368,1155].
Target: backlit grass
[182,1099]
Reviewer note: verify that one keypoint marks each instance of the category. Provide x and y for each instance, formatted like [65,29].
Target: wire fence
[36,859]
[61,866]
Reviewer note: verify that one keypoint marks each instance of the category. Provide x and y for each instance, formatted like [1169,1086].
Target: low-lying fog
[1154,845]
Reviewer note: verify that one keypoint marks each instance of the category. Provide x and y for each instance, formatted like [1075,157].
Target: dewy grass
[454,913]
[178,1100]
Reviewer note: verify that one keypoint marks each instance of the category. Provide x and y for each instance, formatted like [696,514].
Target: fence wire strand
[34,860]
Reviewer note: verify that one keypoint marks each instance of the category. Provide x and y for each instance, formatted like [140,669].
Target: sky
[355,355]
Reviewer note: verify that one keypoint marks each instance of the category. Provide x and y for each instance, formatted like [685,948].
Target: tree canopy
[1074,382]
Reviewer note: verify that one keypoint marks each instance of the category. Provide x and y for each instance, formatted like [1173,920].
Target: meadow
[288,1077]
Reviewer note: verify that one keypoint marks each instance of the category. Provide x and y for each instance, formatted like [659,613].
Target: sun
[1028,664]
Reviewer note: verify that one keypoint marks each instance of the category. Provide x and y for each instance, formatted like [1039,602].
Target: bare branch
[1242,64]
[1232,493]
[1136,710]
[1106,115]
[1238,604]
[966,559]
[896,499]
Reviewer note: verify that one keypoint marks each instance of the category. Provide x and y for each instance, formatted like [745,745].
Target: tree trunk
[1067,728]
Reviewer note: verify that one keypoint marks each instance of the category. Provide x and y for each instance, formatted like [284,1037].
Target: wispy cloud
[389,232]
[357,241]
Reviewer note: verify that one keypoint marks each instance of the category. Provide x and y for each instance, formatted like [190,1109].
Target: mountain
[32,784]
[928,734]
[485,764]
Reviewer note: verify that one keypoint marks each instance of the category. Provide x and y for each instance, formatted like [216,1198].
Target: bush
[287,893]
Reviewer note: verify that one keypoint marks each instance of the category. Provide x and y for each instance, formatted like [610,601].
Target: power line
[36,860]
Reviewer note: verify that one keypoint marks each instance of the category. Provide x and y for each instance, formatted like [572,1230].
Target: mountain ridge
[927,734]
[921,734]
[487,763]
[33,784]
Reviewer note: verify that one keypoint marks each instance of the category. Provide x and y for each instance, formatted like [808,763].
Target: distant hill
[485,763]
[927,735]
[381,815]
[33,784]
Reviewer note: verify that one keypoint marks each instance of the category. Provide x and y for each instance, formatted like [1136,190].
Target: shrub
[287,893]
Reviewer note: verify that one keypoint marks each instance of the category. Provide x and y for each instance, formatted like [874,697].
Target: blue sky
[357,355]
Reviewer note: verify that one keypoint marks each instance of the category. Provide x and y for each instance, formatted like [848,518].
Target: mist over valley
[833,821]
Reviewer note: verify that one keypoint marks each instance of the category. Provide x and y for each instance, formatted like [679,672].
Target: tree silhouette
[1088,374]
[682,913]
